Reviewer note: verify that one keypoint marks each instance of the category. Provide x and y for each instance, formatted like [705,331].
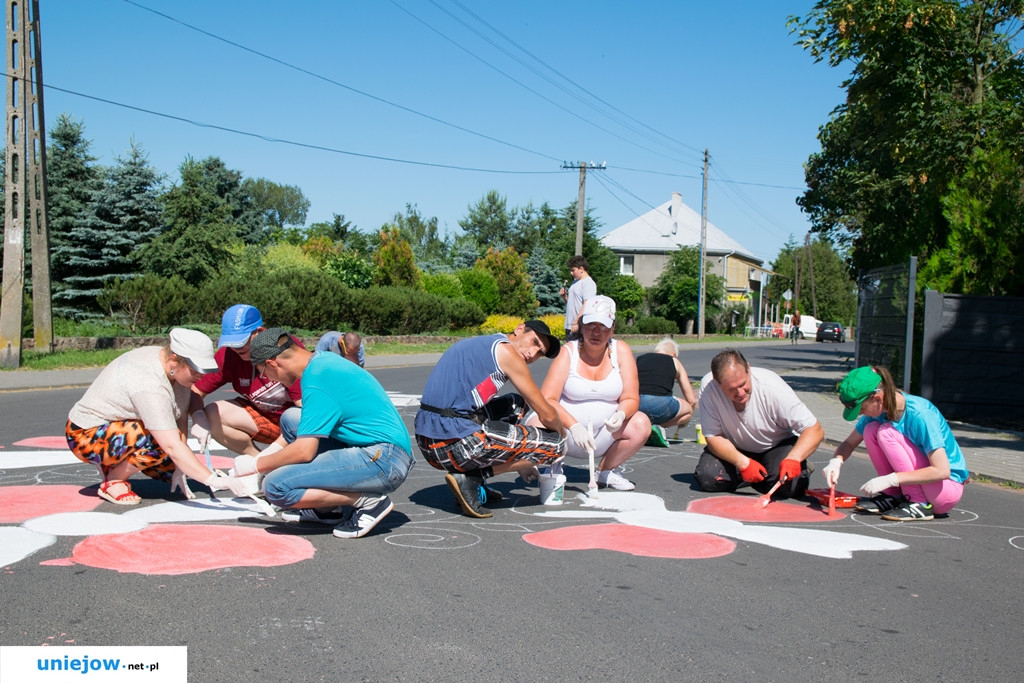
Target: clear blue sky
[478,85]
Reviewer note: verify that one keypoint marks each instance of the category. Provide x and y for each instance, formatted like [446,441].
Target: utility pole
[810,273]
[25,200]
[702,294]
[582,166]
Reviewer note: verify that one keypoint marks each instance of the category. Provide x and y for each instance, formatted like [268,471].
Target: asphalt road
[431,595]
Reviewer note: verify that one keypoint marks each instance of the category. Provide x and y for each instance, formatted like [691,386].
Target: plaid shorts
[494,443]
[112,443]
[268,427]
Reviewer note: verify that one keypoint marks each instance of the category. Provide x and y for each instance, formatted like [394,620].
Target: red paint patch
[749,509]
[633,540]
[18,503]
[221,462]
[43,442]
[190,549]
[62,562]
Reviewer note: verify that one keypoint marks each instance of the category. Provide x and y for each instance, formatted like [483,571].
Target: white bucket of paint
[552,487]
[251,481]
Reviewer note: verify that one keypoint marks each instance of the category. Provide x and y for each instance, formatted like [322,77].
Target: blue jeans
[660,409]
[378,468]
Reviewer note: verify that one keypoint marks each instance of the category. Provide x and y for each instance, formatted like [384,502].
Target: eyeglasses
[853,403]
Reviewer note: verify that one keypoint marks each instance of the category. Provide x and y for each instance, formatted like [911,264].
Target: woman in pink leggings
[921,469]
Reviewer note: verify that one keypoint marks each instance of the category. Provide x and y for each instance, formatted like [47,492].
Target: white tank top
[581,390]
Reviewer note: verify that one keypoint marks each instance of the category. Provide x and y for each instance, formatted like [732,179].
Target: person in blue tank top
[921,469]
[466,429]
[346,451]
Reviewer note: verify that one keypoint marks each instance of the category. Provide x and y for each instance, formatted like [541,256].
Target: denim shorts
[660,409]
[380,468]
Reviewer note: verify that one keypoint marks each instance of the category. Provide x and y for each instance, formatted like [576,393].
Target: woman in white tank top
[593,382]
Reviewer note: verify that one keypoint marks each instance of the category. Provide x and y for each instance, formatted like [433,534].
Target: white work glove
[246,465]
[613,423]
[873,487]
[200,428]
[831,471]
[219,481]
[180,481]
[582,437]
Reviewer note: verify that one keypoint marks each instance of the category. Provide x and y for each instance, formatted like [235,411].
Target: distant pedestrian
[582,288]
[921,469]
[794,326]
[345,344]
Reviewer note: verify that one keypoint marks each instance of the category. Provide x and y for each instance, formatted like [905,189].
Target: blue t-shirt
[342,401]
[924,426]
[465,378]
[329,342]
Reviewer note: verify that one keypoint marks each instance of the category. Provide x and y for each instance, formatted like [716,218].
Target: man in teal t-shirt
[348,450]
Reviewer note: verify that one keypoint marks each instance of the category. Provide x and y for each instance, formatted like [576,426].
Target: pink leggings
[891,451]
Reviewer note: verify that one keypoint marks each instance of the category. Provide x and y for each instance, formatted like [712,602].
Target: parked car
[831,331]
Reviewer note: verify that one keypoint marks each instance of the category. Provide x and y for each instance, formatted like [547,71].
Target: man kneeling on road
[463,427]
[347,451]
[758,431]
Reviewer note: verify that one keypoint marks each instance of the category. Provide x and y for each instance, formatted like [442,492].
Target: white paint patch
[195,511]
[13,460]
[84,524]
[17,543]
[1017,542]
[646,510]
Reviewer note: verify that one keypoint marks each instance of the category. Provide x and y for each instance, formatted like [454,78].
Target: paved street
[667,583]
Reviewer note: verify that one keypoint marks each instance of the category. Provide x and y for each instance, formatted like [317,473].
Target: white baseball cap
[195,347]
[599,309]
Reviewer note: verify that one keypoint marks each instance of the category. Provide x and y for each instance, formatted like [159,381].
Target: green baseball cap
[855,388]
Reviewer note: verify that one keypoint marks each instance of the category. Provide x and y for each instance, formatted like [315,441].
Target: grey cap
[265,345]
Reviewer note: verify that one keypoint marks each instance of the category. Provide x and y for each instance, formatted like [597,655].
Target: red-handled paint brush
[767,498]
[832,500]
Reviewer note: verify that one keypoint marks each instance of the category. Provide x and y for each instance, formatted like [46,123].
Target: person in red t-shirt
[255,415]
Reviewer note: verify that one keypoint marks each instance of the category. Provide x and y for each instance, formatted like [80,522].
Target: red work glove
[753,472]
[789,469]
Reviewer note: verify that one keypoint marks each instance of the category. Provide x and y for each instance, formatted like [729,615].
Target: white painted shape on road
[13,460]
[17,543]
[84,524]
[195,511]
[404,400]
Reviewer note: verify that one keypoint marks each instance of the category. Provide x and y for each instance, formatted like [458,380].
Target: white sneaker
[612,479]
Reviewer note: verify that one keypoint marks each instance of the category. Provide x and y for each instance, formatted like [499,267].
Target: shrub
[500,323]
[447,285]
[509,271]
[399,310]
[480,287]
[463,314]
[655,325]
[149,303]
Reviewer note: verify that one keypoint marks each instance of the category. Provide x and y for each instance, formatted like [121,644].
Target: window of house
[626,265]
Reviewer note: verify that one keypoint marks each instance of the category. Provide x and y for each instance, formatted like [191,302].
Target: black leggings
[718,476]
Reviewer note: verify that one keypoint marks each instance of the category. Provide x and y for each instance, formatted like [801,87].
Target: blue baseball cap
[238,324]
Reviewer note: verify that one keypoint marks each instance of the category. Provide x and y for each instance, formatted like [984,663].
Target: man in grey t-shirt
[582,288]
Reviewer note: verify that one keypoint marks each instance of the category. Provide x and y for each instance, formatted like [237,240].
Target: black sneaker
[331,516]
[489,496]
[911,512]
[880,504]
[467,489]
[364,519]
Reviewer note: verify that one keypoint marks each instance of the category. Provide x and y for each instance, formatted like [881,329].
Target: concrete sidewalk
[991,454]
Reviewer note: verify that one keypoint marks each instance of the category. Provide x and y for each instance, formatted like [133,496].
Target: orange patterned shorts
[112,443]
[267,426]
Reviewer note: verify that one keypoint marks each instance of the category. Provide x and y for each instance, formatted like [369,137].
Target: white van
[808,326]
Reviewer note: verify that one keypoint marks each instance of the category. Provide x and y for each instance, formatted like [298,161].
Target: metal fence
[885,319]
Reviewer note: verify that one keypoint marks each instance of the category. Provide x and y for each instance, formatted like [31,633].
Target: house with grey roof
[644,244]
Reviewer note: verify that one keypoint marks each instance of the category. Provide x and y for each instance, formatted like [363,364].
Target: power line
[293,143]
[339,84]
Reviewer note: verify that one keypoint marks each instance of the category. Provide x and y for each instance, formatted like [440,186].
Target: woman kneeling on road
[134,417]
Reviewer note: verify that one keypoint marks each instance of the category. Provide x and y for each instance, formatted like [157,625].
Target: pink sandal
[127,497]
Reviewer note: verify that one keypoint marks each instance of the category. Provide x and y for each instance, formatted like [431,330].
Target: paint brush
[263,505]
[832,500]
[206,452]
[592,485]
[767,498]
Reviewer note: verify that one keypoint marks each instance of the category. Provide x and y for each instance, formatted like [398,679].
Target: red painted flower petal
[633,540]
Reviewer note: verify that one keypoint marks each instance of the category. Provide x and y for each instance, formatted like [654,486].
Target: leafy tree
[509,271]
[561,244]
[268,207]
[833,294]
[428,248]
[464,252]
[489,222]
[200,232]
[124,213]
[447,285]
[393,261]
[676,293]
[354,270]
[72,180]
[932,81]
[629,297]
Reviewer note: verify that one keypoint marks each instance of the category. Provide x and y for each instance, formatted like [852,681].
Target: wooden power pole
[25,201]
[582,166]
[702,290]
